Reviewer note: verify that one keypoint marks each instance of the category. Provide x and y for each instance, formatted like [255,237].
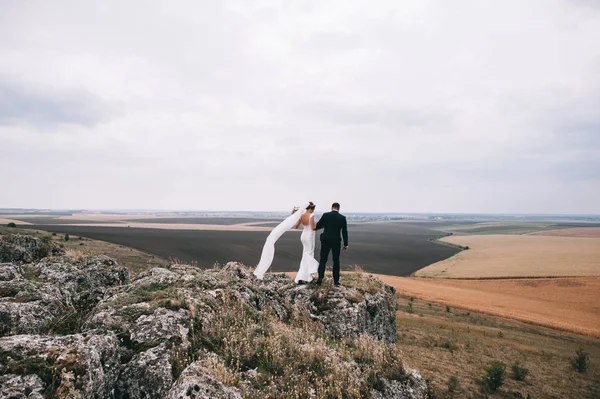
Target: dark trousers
[335,248]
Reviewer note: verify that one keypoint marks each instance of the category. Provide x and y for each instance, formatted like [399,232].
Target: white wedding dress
[268,252]
[308,264]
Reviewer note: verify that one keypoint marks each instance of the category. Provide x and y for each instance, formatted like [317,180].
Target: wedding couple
[333,224]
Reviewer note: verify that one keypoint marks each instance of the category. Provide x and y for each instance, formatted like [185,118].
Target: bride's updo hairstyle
[311,206]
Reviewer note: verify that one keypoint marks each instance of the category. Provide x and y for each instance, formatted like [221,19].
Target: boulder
[14,386]
[162,325]
[196,382]
[148,375]
[17,248]
[80,365]
[50,295]
[414,387]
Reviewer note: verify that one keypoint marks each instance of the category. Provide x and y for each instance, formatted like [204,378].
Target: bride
[308,263]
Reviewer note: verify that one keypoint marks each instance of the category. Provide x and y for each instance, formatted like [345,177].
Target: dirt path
[569,304]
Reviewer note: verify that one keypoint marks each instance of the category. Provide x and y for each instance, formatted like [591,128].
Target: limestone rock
[14,386]
[414,387]
[148,375]
[35,298]
[86,281]
[162,325]
[196,382]
[79,365]
[17,248]
[28,317]
[9,271]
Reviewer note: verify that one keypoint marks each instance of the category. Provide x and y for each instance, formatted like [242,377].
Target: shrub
[580,362]
[447,309]
[46,247]
[594,390]
[495,375]
[11,224]
[518,372]
[454,384]
[54,234]
[67,237]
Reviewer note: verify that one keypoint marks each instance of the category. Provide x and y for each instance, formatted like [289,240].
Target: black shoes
[337,284]
[319,282]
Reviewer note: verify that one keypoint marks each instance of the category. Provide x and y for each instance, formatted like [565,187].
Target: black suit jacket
[333,222]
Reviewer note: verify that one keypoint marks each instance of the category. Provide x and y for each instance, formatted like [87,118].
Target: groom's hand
[345,249]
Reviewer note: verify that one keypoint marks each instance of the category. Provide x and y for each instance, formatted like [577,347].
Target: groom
[333,222]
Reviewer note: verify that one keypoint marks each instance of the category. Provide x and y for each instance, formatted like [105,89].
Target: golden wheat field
[570,232]
[505,256]
[569,304]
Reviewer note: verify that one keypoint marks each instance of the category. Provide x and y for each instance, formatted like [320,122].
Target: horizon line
[281,211]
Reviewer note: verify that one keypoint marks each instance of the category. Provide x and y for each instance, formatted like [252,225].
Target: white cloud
[387,106]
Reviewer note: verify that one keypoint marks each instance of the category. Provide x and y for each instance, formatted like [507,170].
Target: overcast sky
[403,106]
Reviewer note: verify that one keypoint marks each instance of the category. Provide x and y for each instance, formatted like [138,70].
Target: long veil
[268,252]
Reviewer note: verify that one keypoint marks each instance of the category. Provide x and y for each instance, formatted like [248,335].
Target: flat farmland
[385,247]
[571,232]
[142,221]
[505,256]
[569,304]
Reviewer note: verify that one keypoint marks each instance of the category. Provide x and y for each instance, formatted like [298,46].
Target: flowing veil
[268,252]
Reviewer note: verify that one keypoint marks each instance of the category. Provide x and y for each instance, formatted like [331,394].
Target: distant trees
[11,224]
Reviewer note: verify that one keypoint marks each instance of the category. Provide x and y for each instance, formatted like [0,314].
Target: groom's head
[335,206]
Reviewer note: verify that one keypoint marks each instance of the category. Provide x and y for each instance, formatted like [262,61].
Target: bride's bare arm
[312,223]
[298,224]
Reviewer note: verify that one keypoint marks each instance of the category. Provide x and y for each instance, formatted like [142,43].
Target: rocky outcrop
[80,365]
[21,386]
[17,248]
[198,382]
[81,328]
[50,295]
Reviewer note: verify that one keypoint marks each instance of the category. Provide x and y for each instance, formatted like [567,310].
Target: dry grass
[493,256]
[568,304]
[463,343]
[292,359]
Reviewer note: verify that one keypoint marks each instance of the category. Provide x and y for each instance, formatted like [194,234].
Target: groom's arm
[320,223]
[345,232]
